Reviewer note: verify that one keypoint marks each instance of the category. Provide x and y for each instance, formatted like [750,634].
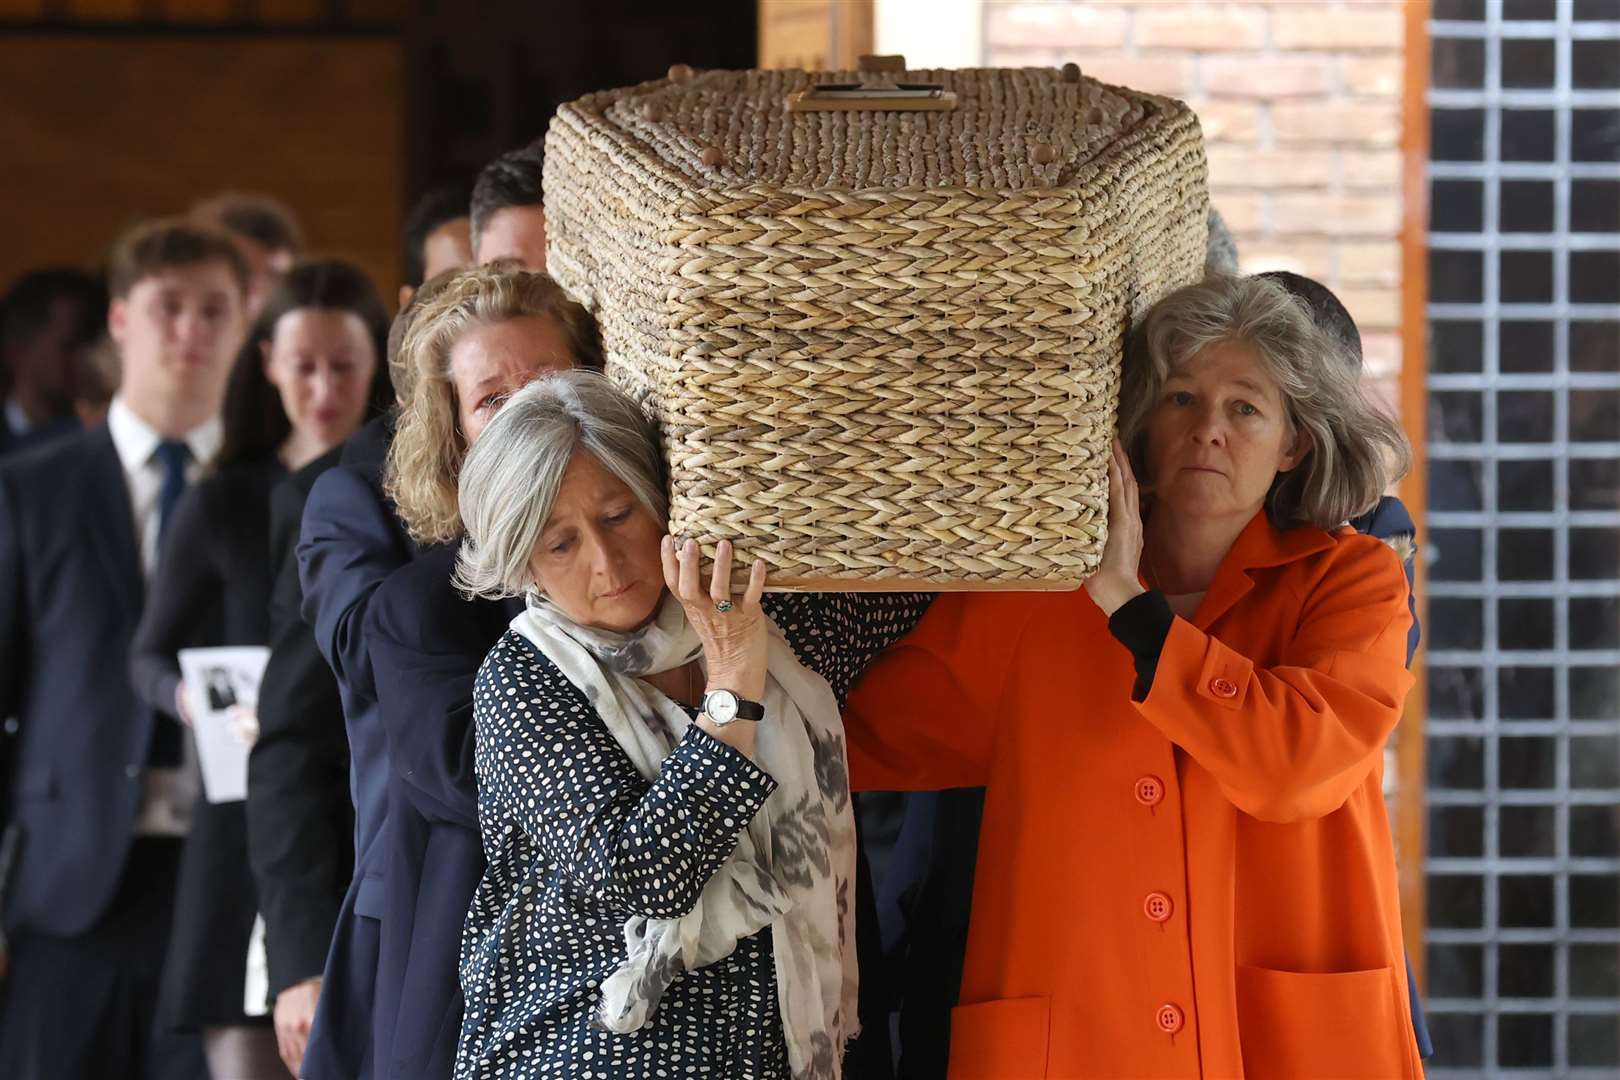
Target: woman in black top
[309,374]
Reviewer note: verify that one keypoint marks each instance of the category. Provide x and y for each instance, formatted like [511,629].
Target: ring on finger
[723,606]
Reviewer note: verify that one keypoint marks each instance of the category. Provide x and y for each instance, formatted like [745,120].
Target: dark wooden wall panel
[101,132]
[486,75]
[205,12]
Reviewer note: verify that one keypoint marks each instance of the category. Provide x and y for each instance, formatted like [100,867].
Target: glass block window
[1523,539]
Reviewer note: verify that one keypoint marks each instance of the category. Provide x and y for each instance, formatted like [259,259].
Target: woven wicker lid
[1013,130]
[883,347]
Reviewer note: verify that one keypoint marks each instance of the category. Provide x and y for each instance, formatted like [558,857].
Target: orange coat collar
[1260,545]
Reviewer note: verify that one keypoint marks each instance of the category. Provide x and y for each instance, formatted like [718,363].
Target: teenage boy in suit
[103,789]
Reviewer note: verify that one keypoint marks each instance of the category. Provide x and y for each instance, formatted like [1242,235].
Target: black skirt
[205,972]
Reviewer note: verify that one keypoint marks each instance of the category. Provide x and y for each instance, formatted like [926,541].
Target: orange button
[1157,907]
[1150,791]
[1223,688]
[1170,1019]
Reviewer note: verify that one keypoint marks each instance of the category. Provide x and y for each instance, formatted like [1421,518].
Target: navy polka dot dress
[578,842]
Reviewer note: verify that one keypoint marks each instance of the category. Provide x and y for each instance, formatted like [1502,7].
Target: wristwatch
[724,707]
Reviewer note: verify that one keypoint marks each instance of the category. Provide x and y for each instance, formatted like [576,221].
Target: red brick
[1236,166]
[1373,309]
[1335,215]
[1016,56]
[1060,26]
[1312,260]
[1266,78]
[1358,125]
[1370,263]
[1384,392]
[1361,26]
[1381,354]
[1229,121]
[1159,75]
[1245,215]
[1370,169]
[1375,76]
[1205,27]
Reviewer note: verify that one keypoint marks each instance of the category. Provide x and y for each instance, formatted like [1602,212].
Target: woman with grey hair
[1185,866]
[663,790]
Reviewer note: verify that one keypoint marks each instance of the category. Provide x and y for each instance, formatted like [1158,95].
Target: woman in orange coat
[1185,867]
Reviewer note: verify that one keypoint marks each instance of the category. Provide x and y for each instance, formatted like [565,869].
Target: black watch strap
[723,702]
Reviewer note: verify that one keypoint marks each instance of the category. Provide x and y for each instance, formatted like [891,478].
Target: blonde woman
[480,340]
[404,649]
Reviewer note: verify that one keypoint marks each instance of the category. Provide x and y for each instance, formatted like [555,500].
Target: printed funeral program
[222,689]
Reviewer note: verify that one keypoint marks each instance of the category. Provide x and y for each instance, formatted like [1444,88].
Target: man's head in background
[178,313]
[508,215]
[265,231]
[98,373]
[438,237]
[47,319]
[1327,310]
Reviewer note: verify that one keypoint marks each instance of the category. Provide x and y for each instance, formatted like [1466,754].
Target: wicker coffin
[883,346]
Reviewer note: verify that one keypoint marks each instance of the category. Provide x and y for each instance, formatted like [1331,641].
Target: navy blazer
[427,643]
[349,542]
[71,591]
[1391,521]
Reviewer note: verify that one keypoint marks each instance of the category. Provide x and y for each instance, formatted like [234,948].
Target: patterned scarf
[794,866]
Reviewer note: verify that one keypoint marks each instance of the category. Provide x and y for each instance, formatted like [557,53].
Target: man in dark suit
[299,817]
[350,541]
[48,318]
[427,643]
[392,968]
[103,791]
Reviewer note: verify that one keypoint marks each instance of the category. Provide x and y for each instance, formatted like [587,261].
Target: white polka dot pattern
[577,842]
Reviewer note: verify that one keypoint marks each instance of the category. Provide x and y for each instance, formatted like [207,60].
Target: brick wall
[1301,108]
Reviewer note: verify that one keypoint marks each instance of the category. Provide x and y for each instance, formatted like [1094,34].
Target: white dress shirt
[17,419]
[166,804]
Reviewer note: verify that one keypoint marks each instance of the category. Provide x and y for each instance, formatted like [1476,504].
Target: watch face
[721,706]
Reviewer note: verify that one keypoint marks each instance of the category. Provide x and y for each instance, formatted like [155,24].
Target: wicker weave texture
[883,347]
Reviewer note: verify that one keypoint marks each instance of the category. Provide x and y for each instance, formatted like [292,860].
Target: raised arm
[426,646]
[839,635]
[549,766]
[349,543]
[1292,741]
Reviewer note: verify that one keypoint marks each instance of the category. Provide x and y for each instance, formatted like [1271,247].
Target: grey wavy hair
[510,478]
[1357,450]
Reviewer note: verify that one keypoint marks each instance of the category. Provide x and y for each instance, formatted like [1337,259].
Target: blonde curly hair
[424,460]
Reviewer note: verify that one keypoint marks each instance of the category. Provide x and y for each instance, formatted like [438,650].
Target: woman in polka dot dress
[664,792]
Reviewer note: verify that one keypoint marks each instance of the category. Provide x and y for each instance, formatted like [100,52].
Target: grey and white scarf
[794,866]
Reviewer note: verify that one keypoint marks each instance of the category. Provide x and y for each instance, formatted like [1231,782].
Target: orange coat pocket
[1000,1040]
[1339,1026]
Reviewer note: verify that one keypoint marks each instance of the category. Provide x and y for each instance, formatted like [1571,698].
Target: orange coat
[1199,884]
